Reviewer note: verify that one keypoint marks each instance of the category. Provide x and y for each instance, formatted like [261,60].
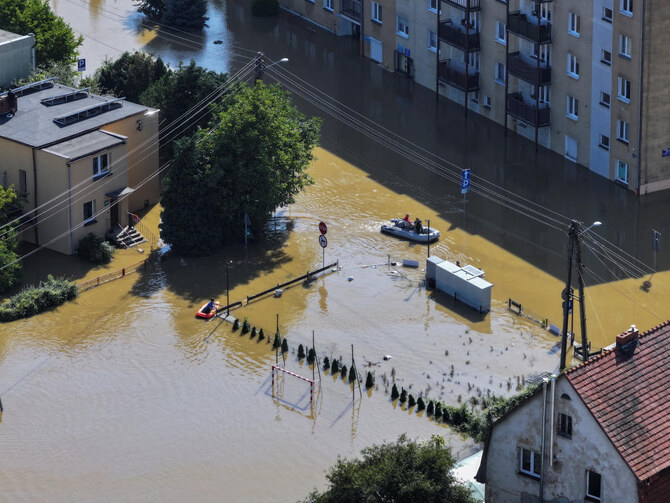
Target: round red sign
[322,228]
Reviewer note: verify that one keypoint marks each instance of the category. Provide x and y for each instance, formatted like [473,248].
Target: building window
[544,94]
[593,482]
[627,7]
[376,12]
[621,172]
[605,57]
[605,99]
[572,108]
[605,144]
[565,421]
[100,165]
[432,5]
[624,90]
[573,24]
[487,102]
[402,28]
[23,182]
[573,66]
[622,131]
[607,14]
[541,51]
[500,73]
[89,212]
[501,33]
[530,463]
[545,12]
[328,5]
[475,97]
[432,41]
[625,46]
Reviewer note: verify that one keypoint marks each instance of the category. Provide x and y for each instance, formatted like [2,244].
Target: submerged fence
[105,278]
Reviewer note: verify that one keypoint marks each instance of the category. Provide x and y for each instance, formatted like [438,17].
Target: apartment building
[584,78]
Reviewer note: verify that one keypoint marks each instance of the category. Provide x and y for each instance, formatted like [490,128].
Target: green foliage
[404,471]
[95,249]
[254,160]
[343,371]
[32,300]
[326,363]
[394,392]
[403,396]
[369,380]
[236,324]
[264,7]
[277,341]
[438,411]
[130,75]
[246,326]
[335,367]
[352,374]
[185,13]
[420,404]
[153,9]
[431,408]
[253,332]
[56,42]
[10,266]
[301,352]
[261,335]
[411,402]
[284,345]
[64,72]
[311,356]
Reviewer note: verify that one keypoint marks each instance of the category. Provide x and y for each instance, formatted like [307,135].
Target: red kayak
[206,313]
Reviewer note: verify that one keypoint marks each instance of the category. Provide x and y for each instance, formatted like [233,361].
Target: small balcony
[528,71]
[526,112]
[453,74]
[457,36]
[467,5]
[351,9]
[526,26]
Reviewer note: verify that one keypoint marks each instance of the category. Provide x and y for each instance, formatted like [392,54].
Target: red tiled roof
[630,397]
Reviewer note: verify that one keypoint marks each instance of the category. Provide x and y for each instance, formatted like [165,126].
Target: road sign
[81,65]
[323,228]
[657,240]
[323,241]
[465,181]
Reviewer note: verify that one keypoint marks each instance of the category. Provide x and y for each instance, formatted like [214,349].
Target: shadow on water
[463,310]
[505,163]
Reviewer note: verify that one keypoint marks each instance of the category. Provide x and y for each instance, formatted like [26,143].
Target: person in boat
[405,223]
[418,226]
[210,305]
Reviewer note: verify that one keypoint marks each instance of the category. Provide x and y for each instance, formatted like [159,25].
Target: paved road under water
[123,395]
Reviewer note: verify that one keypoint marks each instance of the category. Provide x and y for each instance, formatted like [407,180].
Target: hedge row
[33,300]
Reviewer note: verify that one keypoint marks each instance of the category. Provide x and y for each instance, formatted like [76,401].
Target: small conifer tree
[352,374]
[411,402]
[326,363]
[403,396]
[335,367]
[394,392]
[301,352]
[253,332]
[369,380]
[236,324]
[431,408]
[420,404]
[343,371]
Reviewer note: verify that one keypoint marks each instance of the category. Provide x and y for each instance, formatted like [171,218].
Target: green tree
[253,160]
[185,13]
[10,267]
[404,471]
[151,8]
[56,42]
[130,75]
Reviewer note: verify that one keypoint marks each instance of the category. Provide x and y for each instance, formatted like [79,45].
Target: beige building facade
[584,79]
[80,163]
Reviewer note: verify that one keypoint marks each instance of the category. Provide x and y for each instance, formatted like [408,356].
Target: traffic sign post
[323,228]
[247,223]
[465,181]
[656,244]
[323,241]
[81,65]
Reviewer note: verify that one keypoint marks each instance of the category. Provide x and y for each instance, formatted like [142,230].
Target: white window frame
[544,52]
[501,33]
[101,168]
[432,3]
[545,12]
[573,66]
[500,73]
[625,47]
[328,5]
[605,99]
[487,102]
[607,15]
[92,217]
[617,168]
[604,142]
[544,94]
[573,24]
[376,12]
[605,57]
[624,90]
[401,27]
[531,463]
[622,131]
[626,7]
[572,108]
[432,41]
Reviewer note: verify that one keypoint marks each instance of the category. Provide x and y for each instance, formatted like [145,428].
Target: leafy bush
[95,249]
[36,299]
[264,7]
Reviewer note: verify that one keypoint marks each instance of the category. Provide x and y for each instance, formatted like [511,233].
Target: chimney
[627,342]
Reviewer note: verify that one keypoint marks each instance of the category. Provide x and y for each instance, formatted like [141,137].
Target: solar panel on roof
[34,86]
[91,111]
[76,94]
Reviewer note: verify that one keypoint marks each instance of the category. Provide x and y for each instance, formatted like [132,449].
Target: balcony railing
[457,37]
[351,8]
[526,112]
[527,71]
[526,26]
[464,4]
[453,73]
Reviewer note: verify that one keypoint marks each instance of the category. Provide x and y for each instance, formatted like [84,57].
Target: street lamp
[594,224]
[282,60]
[228,262]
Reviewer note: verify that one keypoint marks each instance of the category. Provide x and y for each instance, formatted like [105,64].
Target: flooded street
[124,396]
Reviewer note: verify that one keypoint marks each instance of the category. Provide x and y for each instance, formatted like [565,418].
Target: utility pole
[574,248]
[260,67]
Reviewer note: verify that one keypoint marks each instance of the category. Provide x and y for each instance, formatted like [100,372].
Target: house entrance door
[113,213]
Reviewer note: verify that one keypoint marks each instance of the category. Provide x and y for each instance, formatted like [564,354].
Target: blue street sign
[81,65]
[569,305]
[465,181]
[657,240]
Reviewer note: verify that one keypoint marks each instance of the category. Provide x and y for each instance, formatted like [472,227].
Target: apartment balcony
[456,36]
[351,9]
[453,74]
[466,5]
[528,71]
[526,26]
[518,107]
